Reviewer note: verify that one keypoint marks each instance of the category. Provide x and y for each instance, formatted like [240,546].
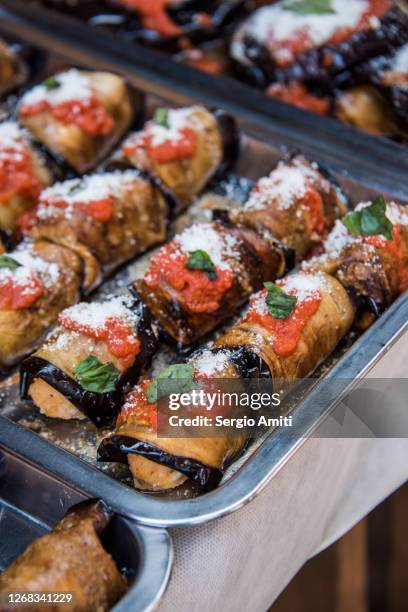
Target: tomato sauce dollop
[117,334]
[15,295]
[89,114]
[316,220]
[154,15]
[286,333]
[396,249]
[167,151]
[17,175]
[297,94]
[194,288]
[138,407]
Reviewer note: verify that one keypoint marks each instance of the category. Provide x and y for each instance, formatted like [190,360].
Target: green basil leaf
[200,260]
[280,305]
[310,7]
[161,117]
[79,186]
[370,221]
[51,83]
[8,262]
[179,379]
[95,376]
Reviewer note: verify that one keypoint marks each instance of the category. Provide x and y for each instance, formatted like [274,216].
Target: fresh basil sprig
[280,305]
[161,117]
[200,260]
[51,83]
[95,376]
[179,379]
[9,263]
[370,221]
[76,188]
[310,7]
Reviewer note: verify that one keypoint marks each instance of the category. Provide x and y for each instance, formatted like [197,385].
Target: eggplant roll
[296,203]
[378,100]
[182,147]
[367,251]
[13,70]
[106,218]
[286,42]
[23,174]
[78,115]
[294,324]
[157,462]
[204,274]
[86,364]
[69,559]
[37,281]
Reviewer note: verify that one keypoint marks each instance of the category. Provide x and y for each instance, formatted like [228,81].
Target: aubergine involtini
[293,325]
[158,462]
[23,175]
[367,251]
[83,369]
[70,559]
[202,276]
[78,115]
[37,281]
[312,42]
[377,101]
[297,203]
[105,218]
[13,69]
[183,148]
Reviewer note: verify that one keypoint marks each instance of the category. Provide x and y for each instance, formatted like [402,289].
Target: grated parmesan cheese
[274,23]
[304,286]
[204,237]
[95,314]
[208,362]
[74,85]
[285,184]
[178,119]
[30,265]
[400,61]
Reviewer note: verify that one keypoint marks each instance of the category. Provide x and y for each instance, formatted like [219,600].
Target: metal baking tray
[31,502]
[225,89]
[263,144]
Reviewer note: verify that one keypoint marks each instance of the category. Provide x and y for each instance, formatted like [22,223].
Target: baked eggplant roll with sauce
[294,324]
[37,281]
[13,70]
[23,175]
[106,218]
[297,204]
[86,364]
[70,559]
[367,251]
[78,115]
[184,148]
[157,462]
[204,274]
[286,41]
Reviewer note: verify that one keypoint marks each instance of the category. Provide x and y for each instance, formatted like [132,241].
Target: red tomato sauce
[16,296]
[301,42]
[99,210]
[167,151]
[396,249]
[316,220]
[286,333]
[138,407]
[17,175]
[297,94]
[193,288]
[118,336]
[90,115]
[154,15]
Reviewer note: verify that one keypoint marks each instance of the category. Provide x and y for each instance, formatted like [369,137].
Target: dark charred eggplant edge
[313,66]
[100,408]
[115,448]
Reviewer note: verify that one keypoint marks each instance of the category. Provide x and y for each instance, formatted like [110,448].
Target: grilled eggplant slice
[297,204]
[89,361]
[294,324]
[372,263]
[37,281]
[157,462]
[283,43]
[106,218]
[23,175]
[70,559]
[78,115]
[204,274]
[184,148]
